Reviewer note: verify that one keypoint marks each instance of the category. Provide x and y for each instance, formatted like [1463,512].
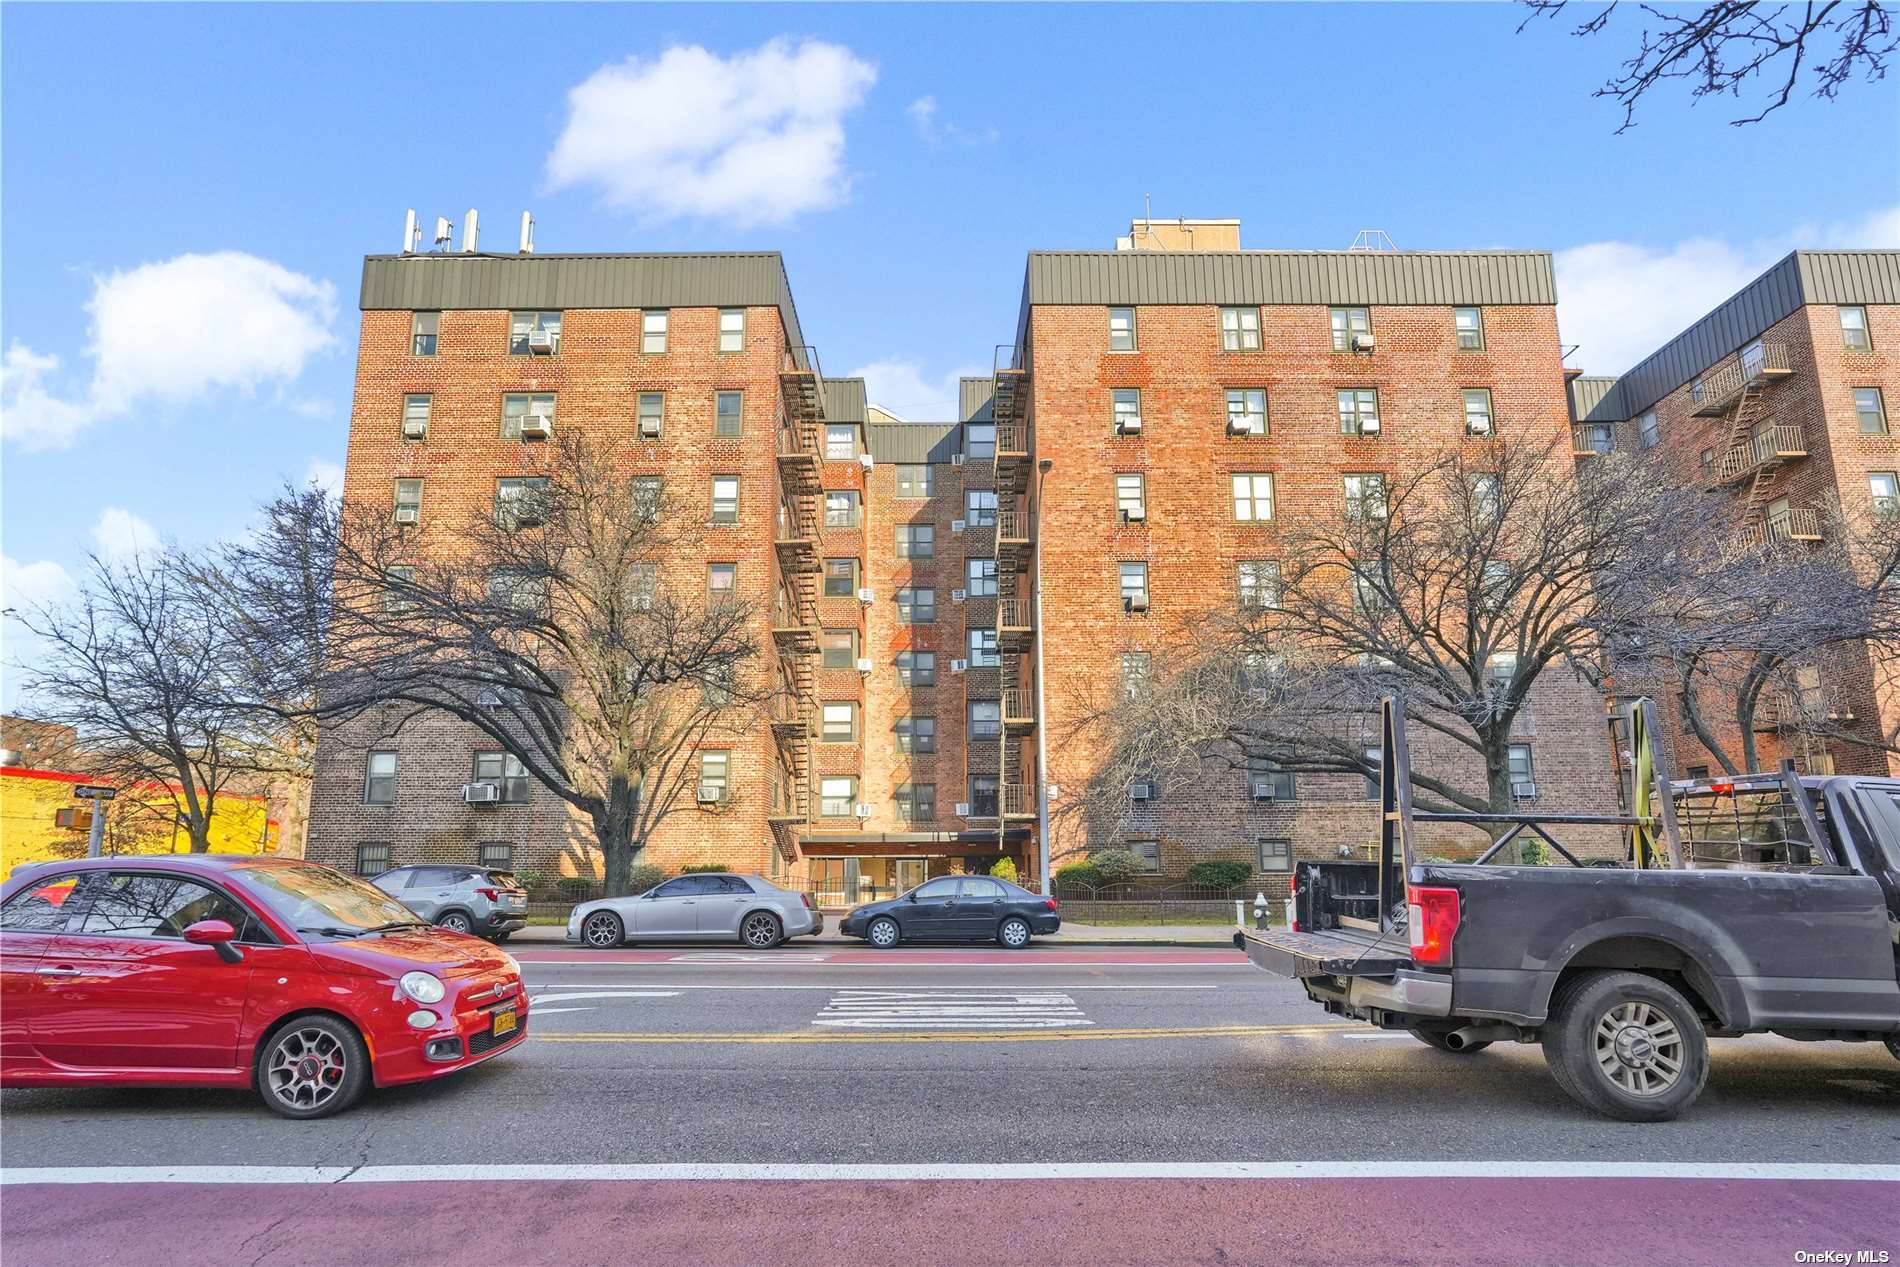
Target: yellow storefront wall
[141,821]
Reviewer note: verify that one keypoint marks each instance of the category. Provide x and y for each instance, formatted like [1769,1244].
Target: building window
[1134,586]
[1469,323]
[1373,757]
[715,774]
[916,668]
[647,492]
[650,413]
[841,442]
[1135,666]
[415,416]
[983,795]
[979,507]
[1365,496]
[1477,411]
[916,734]
[396,601]
[1149,852]
[916,802]
[372,860]
[1499,670]
[1696,772]
[1883,486]
[1871,408]
[838,648]
[379,779]
[521,501]
[1359,411]
[653,332]
[916,541]
[1754,357]
[721,579]
[506,772]
[408,501]
[534,332]
[979,439]
[980,578]
[1131,497]
[422,331]
[643,584]
[497,855]
[986,718]
[841,508]
[1247,411]
[1485,503]
[725,499]
[1599,437]
[983,653]
[1854,332]
[534,410]
[1351,328]
[728,413]
[1259,583]
[1126,404]
[916,606]
[838,723]
[841,578]
[1240,329]
[1275,855]
[1253,497]
[1518,760]
[837,797]
[732,329]
[916,480]
[1648,428]
[1267,780]
[1121,329]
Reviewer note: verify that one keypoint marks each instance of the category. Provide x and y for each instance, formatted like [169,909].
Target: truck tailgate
[1339,952]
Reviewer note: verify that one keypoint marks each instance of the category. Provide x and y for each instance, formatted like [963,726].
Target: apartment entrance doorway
[841,883]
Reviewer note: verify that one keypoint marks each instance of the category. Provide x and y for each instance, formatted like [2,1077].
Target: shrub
[1118,866]
[529,880]
[1080,875]
[644,876]
[574,888]
[1220,875]
[701,868]
[1005,869]
[1531,853]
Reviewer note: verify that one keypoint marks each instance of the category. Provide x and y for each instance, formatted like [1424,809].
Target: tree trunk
[1497,777]
[200,828]
[613,825]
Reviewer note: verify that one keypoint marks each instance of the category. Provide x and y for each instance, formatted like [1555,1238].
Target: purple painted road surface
[1098,1222]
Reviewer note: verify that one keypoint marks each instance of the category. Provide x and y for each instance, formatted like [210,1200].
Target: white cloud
[1620,301]
[923,115]
[119,534]
[755,138]
[900,385]
[33,584]
[326,475]
[169,333]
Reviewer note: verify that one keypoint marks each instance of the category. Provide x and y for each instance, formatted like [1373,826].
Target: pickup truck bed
[1336,952]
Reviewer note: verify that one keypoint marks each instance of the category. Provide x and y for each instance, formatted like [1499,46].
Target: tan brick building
[1781,396]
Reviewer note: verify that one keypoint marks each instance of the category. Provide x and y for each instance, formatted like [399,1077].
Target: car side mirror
[217,934]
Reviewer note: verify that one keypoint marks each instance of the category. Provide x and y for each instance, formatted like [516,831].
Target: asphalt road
[817,1057]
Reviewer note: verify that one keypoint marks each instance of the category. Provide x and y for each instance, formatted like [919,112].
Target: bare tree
[557,626]
[1729,46]
[1461,587]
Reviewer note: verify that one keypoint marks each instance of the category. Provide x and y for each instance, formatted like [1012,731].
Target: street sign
[93,790]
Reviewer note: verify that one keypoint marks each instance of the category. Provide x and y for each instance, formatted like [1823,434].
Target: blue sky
[165,164]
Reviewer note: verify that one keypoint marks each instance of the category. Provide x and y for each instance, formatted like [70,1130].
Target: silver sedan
[708,907]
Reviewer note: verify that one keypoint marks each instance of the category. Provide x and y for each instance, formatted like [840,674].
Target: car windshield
[323,902]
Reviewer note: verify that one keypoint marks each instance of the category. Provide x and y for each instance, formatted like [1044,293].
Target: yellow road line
[954,1036]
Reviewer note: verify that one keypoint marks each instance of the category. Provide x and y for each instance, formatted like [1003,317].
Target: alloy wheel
[601,930]
[455,922]
[306,1068]
[1639,1048]
[760,930]
[1015,933]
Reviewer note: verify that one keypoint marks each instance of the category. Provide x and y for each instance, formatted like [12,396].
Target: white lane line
[1377,1033]
[1386,1169]
[677,988]
[550,996]
[734,956]
[550,1011]
[963,1009]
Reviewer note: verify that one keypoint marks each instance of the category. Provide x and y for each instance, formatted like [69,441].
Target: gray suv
[479,900]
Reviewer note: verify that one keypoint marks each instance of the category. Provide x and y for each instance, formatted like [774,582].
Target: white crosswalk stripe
[951,1009]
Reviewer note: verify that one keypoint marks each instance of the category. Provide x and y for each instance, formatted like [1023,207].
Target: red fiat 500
[211,971]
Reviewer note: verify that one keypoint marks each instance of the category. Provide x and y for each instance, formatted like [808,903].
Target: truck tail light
[489,895]
[1432,918]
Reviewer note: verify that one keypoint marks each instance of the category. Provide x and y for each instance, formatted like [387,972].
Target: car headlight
[423,987]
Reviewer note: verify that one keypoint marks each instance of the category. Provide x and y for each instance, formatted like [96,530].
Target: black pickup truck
[1775,908]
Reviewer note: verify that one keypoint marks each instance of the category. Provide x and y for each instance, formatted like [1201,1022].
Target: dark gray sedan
[956,908]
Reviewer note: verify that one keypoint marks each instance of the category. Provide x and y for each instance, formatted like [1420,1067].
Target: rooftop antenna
[527,233]
[471,227]
[1372,240]
[411,233]
[444,233]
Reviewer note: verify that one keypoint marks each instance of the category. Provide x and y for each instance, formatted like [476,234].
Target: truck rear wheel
[1626,1045]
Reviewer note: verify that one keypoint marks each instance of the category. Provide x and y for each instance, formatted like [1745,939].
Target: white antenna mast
[471,227]
[527,233]
[411,233]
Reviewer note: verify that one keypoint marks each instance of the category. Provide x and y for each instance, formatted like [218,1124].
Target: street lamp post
[1042,715]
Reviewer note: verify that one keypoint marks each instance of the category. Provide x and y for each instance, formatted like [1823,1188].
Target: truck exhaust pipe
[1495,1032]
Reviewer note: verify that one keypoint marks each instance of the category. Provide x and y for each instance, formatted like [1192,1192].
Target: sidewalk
[1071,934]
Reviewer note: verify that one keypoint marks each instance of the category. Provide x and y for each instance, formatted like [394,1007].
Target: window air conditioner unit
[408,514]
[649,428]
[1235,427]
[866,461]
[710,793]
[1364,343]
[1368,426]
[1135,603]
[963,809]
[481,793]
[861,810]
[865,595]
[956,459]
[958,666]
[1141,791]
[1130,426]
[957,596]
[1479,428]
[1524,791]
[957,525]
[864,664]
[415,431]
[536,426]
[541,340]
[1134,514]
[1263,789]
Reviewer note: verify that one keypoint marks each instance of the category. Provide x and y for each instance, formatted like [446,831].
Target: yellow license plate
[504,1023]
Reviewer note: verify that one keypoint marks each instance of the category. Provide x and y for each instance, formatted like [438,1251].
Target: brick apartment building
[1780,395]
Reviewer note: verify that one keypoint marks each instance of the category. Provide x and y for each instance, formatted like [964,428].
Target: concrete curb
[551,936]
